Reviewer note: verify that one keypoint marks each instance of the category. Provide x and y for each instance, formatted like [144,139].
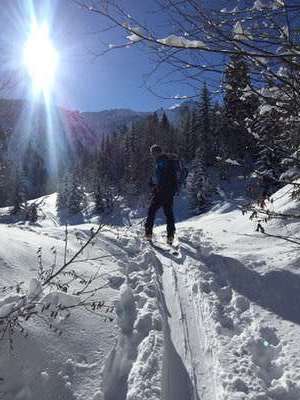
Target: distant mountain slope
[63,134]
[108,121]
[77,129]
[176,113]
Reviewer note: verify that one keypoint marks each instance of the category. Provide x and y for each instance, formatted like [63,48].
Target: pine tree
[63,191]
[4,170]
[239,103]
[151,124]
[205,110]
[98,184]
[217,119]
[190,136]
[99,196]
[35,171]
[205,148]
[197,185]
[131,168]
[32,213]
[19,192]
[76,197]
[197,131]
[167,133]
[269,128]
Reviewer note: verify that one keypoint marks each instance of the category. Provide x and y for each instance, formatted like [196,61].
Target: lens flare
[40,58]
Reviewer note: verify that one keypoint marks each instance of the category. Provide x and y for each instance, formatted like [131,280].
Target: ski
[164,247]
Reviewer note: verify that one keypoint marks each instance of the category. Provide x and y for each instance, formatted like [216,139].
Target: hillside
[30,125]
[217,320]
[108,121]
[85,127]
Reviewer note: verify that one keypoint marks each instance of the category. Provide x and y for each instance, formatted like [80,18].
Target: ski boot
[148,237]
[170,240]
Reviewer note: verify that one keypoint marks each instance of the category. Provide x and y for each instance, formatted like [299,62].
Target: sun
[40,58]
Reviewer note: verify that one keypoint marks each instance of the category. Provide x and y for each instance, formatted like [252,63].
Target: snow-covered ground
[218,320]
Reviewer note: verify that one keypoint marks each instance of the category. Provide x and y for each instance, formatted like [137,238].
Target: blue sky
[86,83]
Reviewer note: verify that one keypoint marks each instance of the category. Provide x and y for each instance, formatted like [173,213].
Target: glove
[155,189]
[151,183]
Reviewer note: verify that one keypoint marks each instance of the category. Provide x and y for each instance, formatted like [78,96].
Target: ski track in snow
[220,340]
[217,298]
[212,322]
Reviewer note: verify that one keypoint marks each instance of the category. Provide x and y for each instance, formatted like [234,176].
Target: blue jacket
[166,174]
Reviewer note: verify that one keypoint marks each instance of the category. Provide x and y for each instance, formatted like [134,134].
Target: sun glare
[41,58]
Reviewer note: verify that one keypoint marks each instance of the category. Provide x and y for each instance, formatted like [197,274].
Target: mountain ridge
[88,127]
[106,121]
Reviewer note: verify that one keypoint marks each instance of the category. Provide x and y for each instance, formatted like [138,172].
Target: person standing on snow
[164,190]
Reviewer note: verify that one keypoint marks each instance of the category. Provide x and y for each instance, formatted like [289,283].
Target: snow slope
[237,295]
[218,320]
[229,304]
[45,365]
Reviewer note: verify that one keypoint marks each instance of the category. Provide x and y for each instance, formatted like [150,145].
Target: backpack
[181,172]
[173,174]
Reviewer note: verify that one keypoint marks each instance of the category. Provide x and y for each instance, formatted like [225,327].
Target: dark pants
[164,200]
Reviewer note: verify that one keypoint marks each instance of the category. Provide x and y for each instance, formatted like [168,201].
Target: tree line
[239,128]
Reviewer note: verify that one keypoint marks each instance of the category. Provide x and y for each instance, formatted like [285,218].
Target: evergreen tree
[189,133]
[132,169]
[32,213]
[151,126]
[205,109]
[98,185]
[99,196]
[217,121]
[168,134]
[271,132]
[205,148]
[197,185]
[197,131]
[239,103]
[5,187]
[19,193]
[76,198]
[63,191]
[34,171]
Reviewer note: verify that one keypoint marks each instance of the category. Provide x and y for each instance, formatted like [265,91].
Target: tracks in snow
[184,338]
[221,320]
[207,317]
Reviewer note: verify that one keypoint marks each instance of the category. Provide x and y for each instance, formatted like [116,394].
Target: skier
[163,191]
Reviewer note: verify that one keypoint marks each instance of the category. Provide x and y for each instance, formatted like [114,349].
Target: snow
[278,4]
[232,162]
[291,174]
[219,319]
[35,288]
[266,108]
[238,30]
[174,106]
[135,36]
[181,41]
[37,367]
[258,5]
